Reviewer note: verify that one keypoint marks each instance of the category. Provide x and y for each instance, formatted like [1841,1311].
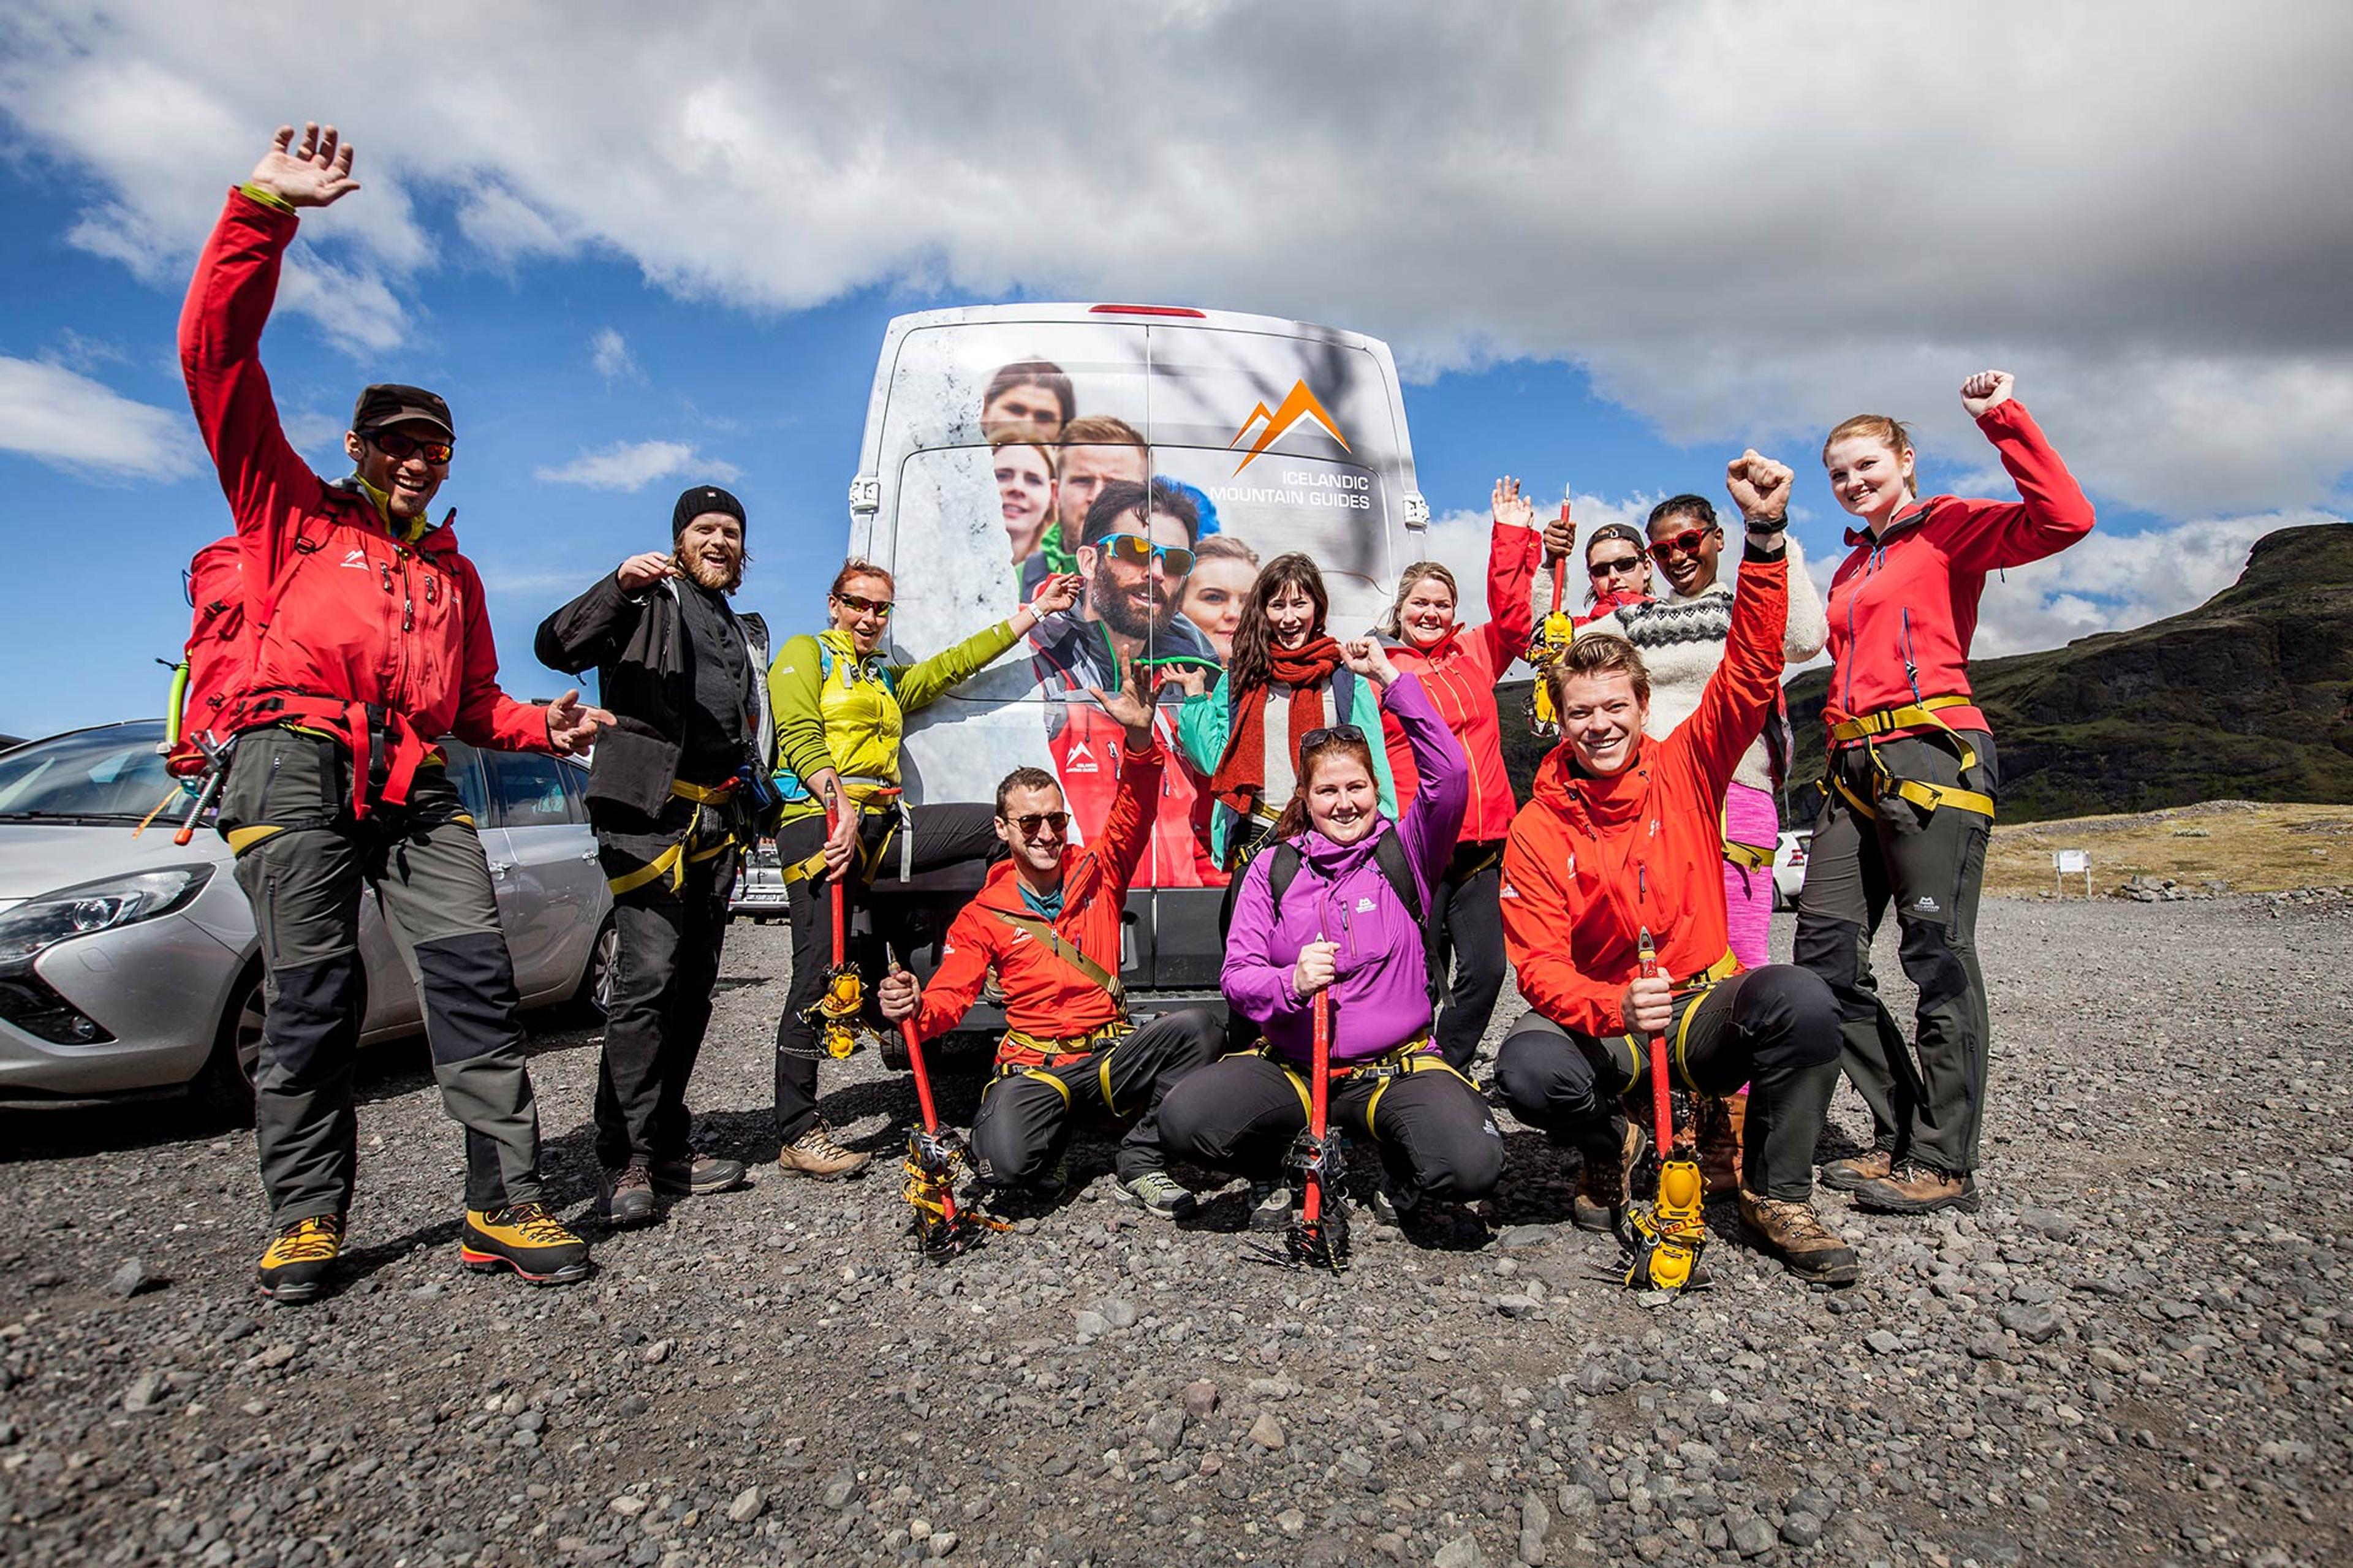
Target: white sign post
[2067,863]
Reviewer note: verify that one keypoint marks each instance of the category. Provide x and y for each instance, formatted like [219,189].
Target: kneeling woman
[1348,921]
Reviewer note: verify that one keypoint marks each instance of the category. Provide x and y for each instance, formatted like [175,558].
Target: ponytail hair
[1294,820]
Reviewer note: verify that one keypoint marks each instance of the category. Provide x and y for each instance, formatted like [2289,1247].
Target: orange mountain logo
[1298,402]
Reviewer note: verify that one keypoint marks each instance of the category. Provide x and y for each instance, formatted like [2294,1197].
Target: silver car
[128,964]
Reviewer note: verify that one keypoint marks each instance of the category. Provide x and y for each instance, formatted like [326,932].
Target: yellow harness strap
[1926,797]
[1695,985]
[673,861]
[865,797]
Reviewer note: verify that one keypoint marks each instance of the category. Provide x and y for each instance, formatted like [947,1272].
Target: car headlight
[39,923]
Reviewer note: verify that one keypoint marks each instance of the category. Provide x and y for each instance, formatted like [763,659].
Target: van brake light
[1148,311]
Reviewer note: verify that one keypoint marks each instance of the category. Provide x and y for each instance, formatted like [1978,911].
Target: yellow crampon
[1668,1235]
[837,1010]
[1553,636]
[936,1166]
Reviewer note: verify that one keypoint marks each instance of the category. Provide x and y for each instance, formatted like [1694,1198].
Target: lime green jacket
[834,710]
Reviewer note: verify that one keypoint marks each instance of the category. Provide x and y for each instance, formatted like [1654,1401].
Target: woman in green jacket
[839,706]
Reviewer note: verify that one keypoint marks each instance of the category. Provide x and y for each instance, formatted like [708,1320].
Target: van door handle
[500,868]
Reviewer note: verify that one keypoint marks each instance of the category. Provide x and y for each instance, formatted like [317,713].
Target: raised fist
[1986,389]
[1760,487]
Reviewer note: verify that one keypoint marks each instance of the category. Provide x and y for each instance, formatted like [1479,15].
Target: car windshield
[112,774]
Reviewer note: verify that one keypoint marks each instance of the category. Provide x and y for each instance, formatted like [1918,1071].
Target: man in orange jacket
[1620,838]
[1047,921]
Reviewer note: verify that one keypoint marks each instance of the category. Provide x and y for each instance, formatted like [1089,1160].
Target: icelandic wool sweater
[1682,643]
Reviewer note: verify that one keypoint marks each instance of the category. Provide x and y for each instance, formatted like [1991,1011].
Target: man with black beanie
[673,791]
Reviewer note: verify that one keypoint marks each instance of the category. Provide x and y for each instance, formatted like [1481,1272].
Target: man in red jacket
[369,642]
[1621,838]
[1047,921]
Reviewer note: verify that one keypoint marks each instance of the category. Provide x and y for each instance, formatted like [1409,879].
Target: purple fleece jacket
[1381,997]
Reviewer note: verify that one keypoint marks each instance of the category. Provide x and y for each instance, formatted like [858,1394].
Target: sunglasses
[1135,550]
[393,444]
[878,608]
[1611,567]
[1058,823]
[1687,542]
[1330,735]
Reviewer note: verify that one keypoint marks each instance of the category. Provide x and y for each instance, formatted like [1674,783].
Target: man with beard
[670,792]
[1134,552]
[1094,452]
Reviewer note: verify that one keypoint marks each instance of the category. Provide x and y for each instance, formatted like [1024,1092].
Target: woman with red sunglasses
[839,703]
[1908,789]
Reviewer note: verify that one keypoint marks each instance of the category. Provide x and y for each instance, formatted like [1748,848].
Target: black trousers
[665,972]
[305,862]
[943,836]
[1775,1028]
[1466,926]
[1024,1117]
[1433,1132]
[1930,866]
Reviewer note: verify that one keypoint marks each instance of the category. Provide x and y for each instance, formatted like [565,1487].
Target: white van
[1286,436]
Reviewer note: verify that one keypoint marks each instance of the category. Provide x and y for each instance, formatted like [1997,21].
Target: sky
[1610,244]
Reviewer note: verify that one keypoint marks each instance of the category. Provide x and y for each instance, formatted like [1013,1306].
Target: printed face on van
[1135,601]
[1024,403]
[1213,596]
[1085,472]
[1025,496]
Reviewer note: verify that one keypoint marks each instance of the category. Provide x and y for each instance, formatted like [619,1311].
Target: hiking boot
[1394,1205]
[1793,1231]
[1721,1124]
[1915,1188]
[527,1238]
[1845,1175]
[695,1174]
[1601,1184]
[1160,1193]
[625,1197]
[1269,1205]
[815,1153]
[295,1264]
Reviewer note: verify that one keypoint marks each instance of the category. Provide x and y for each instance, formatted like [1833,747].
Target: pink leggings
[1750,816]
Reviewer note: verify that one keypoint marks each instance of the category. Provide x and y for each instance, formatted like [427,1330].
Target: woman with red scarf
[1459,666]
[1284,681]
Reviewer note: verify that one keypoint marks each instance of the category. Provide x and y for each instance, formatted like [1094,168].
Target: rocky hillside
[2248,696]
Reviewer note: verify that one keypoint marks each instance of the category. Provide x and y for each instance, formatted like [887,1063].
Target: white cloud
[631,465]
[55,416]
[1460,541]
[1745,218]
[608,351]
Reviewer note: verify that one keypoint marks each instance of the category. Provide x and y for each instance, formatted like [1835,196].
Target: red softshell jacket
[356,616]
[1903,608]
[1044,995]
[1591,861]
[1460,672]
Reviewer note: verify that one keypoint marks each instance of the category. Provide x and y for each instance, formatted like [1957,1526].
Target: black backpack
[1390,855]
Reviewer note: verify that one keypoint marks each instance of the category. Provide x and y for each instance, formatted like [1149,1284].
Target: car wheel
[593,1001]
[222,1090]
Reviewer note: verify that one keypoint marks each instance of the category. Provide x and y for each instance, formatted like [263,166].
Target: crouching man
[1622,836]
[1048,920]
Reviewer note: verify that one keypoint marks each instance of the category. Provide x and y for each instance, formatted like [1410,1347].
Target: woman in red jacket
[1908,794]
[1459,667]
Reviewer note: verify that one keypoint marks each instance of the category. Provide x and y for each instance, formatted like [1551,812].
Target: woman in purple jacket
[1349,921]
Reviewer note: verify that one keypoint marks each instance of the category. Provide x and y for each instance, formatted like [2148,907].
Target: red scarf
[1240,778]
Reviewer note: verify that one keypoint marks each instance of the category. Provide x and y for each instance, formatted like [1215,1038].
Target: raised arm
[2052,511]
[1513,545]
[919,684]
[1127,830]
[592,628]
[1738,697]
[269,486]
[1201,725]
[1434,821]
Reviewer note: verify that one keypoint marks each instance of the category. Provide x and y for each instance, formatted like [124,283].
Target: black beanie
[694,502]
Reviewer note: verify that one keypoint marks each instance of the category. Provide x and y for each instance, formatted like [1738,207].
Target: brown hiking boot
[1845,1175]
[1601,1184]
[1807,1247]
[625,1197]
[1914,1188]
[815,1153]
[1721,1124]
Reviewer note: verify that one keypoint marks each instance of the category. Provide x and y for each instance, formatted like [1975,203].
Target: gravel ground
[2135,1355]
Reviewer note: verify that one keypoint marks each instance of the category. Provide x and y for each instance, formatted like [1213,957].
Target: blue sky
[1582,286]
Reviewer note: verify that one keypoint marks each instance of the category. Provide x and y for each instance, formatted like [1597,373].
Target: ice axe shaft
[1311,1201]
